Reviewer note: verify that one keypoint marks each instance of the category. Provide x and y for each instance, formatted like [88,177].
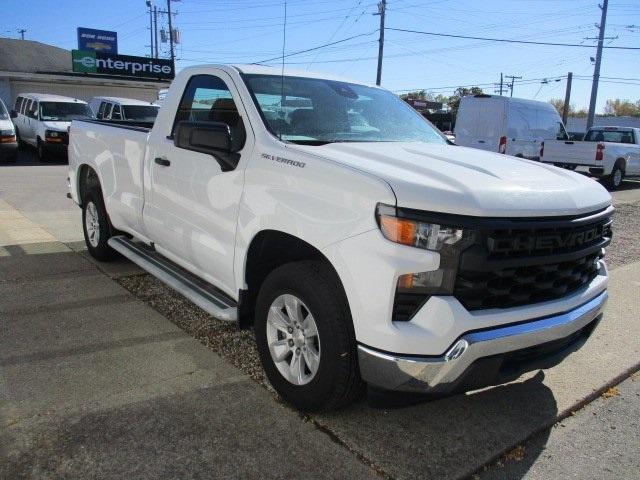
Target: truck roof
[504,99]
[612,128]
[252,69]
[46,97]
[123,101]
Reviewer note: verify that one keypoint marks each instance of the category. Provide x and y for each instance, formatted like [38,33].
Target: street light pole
[382,8]
[173,57]
[567,99]
[596,70]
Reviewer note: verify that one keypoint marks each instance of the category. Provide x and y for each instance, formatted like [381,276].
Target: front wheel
[40,151]
[305,338]
[97,228]
[614,180]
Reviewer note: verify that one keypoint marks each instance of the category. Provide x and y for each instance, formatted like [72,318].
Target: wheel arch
[268,250]
[87,178]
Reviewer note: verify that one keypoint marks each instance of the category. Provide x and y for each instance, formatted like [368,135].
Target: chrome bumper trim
[440,374]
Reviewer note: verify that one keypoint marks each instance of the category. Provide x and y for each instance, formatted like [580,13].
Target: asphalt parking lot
[104,373]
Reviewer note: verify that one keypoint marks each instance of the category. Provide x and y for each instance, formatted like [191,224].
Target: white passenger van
[115,108]
[513,126]
[42,121]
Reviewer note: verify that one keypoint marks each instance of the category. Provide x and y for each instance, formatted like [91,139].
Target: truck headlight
[7,133]
[428,231]
[52,133]
[415,232]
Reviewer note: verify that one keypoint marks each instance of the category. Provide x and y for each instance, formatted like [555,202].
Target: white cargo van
[513,126]
[42,121]
[127,109]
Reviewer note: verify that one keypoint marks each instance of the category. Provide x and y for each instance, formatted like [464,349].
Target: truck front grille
[521,262]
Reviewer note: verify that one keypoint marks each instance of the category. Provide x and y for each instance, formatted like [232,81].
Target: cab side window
[18,104]
[101,110]
[208,99]
[116,113]
[26,105]
[33,110]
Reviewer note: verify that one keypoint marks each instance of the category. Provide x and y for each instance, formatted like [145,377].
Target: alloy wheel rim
[293,339]
[92,224]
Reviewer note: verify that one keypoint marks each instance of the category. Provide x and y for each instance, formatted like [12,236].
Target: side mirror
[13,114]
[213,138]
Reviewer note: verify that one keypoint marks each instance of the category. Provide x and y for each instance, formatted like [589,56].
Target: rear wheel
[304,335]
[614,180]
[97,227]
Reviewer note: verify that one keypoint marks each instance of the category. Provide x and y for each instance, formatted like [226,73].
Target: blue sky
[245,31]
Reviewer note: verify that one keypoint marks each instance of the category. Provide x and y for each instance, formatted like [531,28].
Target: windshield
[615,136]
[64,111]
[140,112]
[317,111]
[3,112]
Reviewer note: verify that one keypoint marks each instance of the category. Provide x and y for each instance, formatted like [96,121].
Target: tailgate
[569,152]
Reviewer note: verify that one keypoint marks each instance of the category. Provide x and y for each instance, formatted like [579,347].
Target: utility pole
[149,4]
[173,57]
[501,83]
[22,32]
[155,29]
[513,81]
[382,9]
[567,99]
[596,70]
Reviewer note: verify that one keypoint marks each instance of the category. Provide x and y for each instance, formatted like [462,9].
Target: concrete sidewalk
[95,384]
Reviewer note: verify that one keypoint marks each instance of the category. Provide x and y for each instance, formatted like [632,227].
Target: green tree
[620,108]
[454,100]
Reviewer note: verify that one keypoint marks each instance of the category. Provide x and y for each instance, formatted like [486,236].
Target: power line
[316,48]
[504,40]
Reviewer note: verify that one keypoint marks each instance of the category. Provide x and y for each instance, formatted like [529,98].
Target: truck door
[191,205]
[30,122]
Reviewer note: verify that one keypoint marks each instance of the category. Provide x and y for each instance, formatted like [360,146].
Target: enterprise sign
[126,65]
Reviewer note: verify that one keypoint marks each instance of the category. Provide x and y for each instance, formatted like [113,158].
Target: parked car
[609,153]
[378,254]
[42,121]
[128,109]
[8,141]
[513,126]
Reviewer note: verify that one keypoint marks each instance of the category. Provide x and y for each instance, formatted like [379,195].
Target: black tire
[614,180]
[21,144]
[99,249]
[337,381]
[40,151]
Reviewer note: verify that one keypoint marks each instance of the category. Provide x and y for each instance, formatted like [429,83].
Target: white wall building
[33,67]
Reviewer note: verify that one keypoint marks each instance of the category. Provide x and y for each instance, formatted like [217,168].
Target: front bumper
[485,357]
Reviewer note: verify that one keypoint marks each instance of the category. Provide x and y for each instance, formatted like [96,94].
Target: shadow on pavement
[450,437]
[28,158]
[218,432]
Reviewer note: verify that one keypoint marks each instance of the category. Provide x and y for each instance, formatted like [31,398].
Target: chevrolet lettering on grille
[563,240]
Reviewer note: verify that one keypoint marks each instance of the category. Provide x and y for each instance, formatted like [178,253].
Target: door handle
[162,161]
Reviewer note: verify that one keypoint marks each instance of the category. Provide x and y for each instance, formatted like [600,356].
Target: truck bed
[569,152]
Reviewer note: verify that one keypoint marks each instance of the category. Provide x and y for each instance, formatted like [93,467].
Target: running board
[203,294]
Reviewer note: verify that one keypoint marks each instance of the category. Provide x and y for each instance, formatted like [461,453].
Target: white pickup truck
[359,244]
[610,153]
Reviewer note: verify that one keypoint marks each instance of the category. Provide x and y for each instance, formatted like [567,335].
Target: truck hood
[57,126]
[466,181]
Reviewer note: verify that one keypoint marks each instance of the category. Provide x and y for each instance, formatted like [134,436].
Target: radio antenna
[284,42]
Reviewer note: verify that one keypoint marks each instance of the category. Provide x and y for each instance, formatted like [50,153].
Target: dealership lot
[95,378]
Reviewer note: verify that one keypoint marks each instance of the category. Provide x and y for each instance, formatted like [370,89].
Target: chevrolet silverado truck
[360,245]
[609,153]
